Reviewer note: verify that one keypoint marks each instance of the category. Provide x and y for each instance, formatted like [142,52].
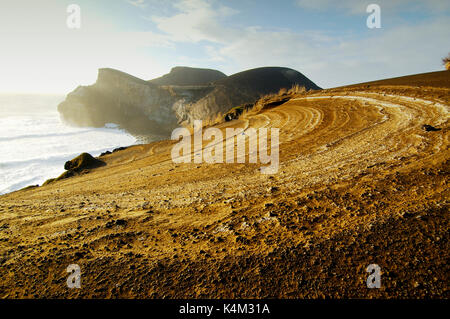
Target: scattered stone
[78,254]
[429,128]
[105,153]
[274,189]
[119,149]
[242,240]
[407,214]
[219,239]
[121,222]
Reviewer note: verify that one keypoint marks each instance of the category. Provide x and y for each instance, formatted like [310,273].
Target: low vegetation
[264,102]
[446,62]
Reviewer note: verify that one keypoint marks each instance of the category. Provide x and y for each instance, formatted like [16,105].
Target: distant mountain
[267,79]
[158,106]
[182,75]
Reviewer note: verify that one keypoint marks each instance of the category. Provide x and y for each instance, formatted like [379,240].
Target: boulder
[83,161]
[429,128]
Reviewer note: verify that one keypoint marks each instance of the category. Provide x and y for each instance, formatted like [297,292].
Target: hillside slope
[434,79]
[360,182]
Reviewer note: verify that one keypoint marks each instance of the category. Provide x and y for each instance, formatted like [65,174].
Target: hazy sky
[326,40]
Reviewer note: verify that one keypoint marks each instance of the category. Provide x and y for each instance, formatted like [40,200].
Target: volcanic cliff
[158,106]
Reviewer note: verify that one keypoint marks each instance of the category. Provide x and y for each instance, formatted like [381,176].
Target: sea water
[35,143]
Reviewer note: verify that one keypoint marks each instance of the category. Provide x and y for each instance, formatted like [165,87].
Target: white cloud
[40,54]
[138,3]
[334,62]
[196,21]
[48,56]
[326,59]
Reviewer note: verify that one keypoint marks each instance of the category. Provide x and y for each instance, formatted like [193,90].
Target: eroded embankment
[360,182]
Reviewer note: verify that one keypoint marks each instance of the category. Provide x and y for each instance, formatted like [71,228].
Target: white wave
[35,146]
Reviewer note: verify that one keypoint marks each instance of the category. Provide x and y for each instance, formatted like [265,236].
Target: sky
[326,40]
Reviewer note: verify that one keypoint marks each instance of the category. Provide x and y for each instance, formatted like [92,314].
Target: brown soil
[436,79]
[360,182]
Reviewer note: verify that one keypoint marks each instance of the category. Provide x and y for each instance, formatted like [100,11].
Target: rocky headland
[158,106]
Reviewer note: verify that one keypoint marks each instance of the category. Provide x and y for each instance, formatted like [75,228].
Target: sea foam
[35,143]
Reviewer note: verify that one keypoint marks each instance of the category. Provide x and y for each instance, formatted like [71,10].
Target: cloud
[138,3]
[196,21]
[209,34]
[329,59]
[339,61]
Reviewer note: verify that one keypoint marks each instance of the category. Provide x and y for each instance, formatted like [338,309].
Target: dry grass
[270,98]
[208,122]
[217,119]
[282,91]
[297,89]
[258,106]
[446,62]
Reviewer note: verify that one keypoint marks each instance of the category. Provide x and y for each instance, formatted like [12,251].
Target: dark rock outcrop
[83,161]
[134,104]
[79,165]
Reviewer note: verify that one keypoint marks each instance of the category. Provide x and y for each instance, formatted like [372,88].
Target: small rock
[121,222]
[273,189]
[429,128]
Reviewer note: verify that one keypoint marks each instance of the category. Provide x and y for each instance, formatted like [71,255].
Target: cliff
[136,105]
[242,88]
[158,106]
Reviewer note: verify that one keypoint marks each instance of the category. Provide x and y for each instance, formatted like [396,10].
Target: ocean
[35,143]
